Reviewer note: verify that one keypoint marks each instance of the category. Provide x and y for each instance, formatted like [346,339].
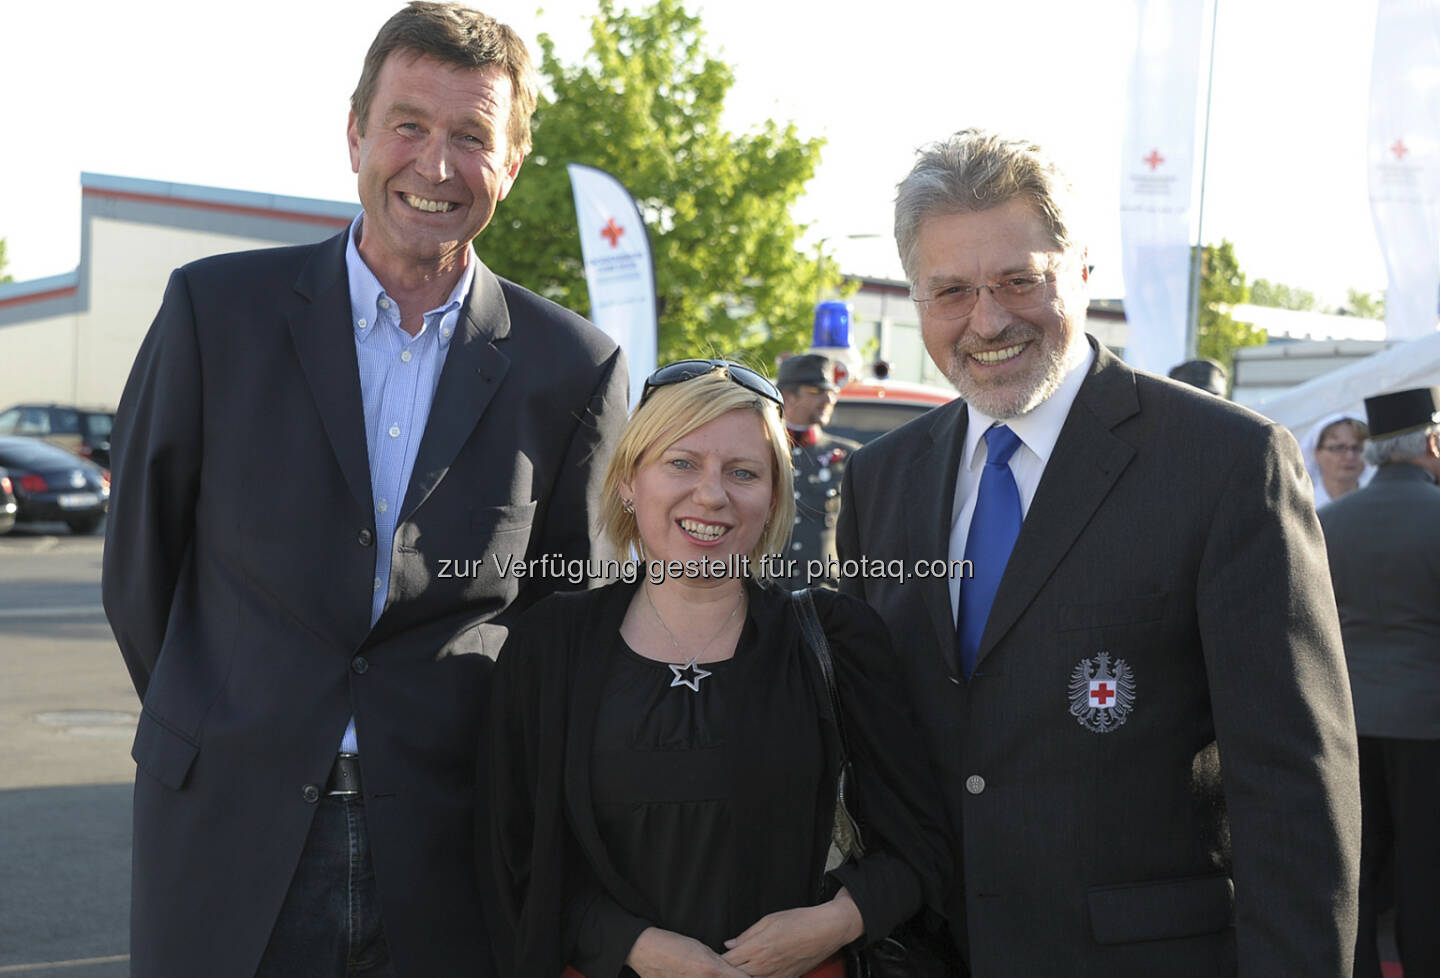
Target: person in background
[664,751]
[1334,456]
[1205,374]
[1131,682]
[1384,545]
[807,383]
[306,784]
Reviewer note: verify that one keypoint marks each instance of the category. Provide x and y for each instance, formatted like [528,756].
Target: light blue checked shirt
[398,377]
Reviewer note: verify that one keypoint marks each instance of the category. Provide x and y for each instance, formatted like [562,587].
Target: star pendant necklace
[690,674]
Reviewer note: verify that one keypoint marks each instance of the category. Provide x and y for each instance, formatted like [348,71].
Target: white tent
[1414,363]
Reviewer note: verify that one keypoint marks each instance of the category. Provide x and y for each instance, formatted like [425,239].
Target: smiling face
[709,494]
[1004,362]
[433,161]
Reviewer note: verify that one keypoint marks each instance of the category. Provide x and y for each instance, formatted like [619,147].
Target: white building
[71,338]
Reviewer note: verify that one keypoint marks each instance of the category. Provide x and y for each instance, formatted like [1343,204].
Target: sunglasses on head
[683,370]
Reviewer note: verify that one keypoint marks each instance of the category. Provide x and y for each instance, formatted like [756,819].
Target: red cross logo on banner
[1399,149]
[1153,160]
[1101,693]
[611,232]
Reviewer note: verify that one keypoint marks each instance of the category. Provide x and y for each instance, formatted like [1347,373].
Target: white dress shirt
[1038,431]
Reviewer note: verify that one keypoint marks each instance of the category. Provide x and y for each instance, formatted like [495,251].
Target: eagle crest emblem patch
[1102,695]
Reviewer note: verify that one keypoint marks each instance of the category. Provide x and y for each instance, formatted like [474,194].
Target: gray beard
[1012,401]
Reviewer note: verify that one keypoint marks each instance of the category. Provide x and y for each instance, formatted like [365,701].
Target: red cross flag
[618,268]
[1159,167]
[1403,149]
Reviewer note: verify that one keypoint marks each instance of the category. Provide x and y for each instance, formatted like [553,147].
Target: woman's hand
[789,943]
[660,953]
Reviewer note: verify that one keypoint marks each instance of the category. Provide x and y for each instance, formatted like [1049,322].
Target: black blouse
[675,777]
[621,802]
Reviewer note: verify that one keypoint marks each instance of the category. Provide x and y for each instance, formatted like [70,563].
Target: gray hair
[975,170]
[1400,448]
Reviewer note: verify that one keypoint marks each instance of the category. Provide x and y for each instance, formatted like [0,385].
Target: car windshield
[98,425]
[863,420]
[25,454]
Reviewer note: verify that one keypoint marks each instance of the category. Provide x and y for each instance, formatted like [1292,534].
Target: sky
[254,96]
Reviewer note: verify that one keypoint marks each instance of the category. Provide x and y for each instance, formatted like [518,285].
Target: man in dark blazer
[1384,546]
[330,462]
[1140,719]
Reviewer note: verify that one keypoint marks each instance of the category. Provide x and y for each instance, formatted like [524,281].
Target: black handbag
[920,947]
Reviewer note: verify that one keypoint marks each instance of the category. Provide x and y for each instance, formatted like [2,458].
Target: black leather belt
[344,775]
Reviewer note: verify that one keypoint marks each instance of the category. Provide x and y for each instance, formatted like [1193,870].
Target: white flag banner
[618,268]
[1157,169]
[1404,156]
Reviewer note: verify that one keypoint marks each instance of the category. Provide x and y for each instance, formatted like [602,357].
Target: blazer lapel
[929,519]
[473,371]
[325,345]
[1087,460]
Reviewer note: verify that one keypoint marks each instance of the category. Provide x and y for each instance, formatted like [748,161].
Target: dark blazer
[237,578]
[1384,544]
[550,852]
[1215,831]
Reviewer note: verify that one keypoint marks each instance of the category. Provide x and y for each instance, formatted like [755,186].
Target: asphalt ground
[67,716]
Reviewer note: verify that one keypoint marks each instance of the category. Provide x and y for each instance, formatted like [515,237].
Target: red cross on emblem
[1399,149]
[1102,694]
[611,232]
[1154,160]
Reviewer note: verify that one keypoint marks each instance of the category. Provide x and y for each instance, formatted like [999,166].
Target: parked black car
[50,484]
[84,431]
[8,506]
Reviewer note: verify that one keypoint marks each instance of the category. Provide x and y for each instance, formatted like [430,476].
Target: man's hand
[789,943]
[660,953]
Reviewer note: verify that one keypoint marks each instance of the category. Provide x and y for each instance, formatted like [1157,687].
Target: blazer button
[311,793]
[366,538]
[359,665]
[975,784]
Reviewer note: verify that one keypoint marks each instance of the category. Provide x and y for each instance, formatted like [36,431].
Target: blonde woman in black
[665,757]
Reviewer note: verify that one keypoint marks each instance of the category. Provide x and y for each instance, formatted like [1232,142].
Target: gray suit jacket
[1384,544]
[1206,822]
[237,578]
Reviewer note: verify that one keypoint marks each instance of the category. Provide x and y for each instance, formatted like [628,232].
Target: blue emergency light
[832,324]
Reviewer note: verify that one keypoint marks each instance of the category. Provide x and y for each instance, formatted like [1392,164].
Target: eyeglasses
[683,370]
[1343,449]
[1017,293]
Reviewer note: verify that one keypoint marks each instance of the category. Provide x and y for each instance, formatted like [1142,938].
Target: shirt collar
[1039,428]
[366,292]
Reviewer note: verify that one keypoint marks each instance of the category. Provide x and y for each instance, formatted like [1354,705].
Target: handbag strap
[847,833]
[814,633]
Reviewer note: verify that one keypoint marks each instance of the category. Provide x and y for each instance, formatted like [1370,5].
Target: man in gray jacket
[1384,543]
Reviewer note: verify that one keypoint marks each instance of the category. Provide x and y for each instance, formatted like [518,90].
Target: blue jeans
[329,925]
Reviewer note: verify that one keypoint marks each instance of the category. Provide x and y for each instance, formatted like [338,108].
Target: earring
[628,505]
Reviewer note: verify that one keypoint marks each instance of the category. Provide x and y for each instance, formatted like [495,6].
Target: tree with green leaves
[1278,295]
[645,104]
[4,260]
[1370,305]
[1222,285]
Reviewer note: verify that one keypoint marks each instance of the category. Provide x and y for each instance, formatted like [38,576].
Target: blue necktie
[993,529]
